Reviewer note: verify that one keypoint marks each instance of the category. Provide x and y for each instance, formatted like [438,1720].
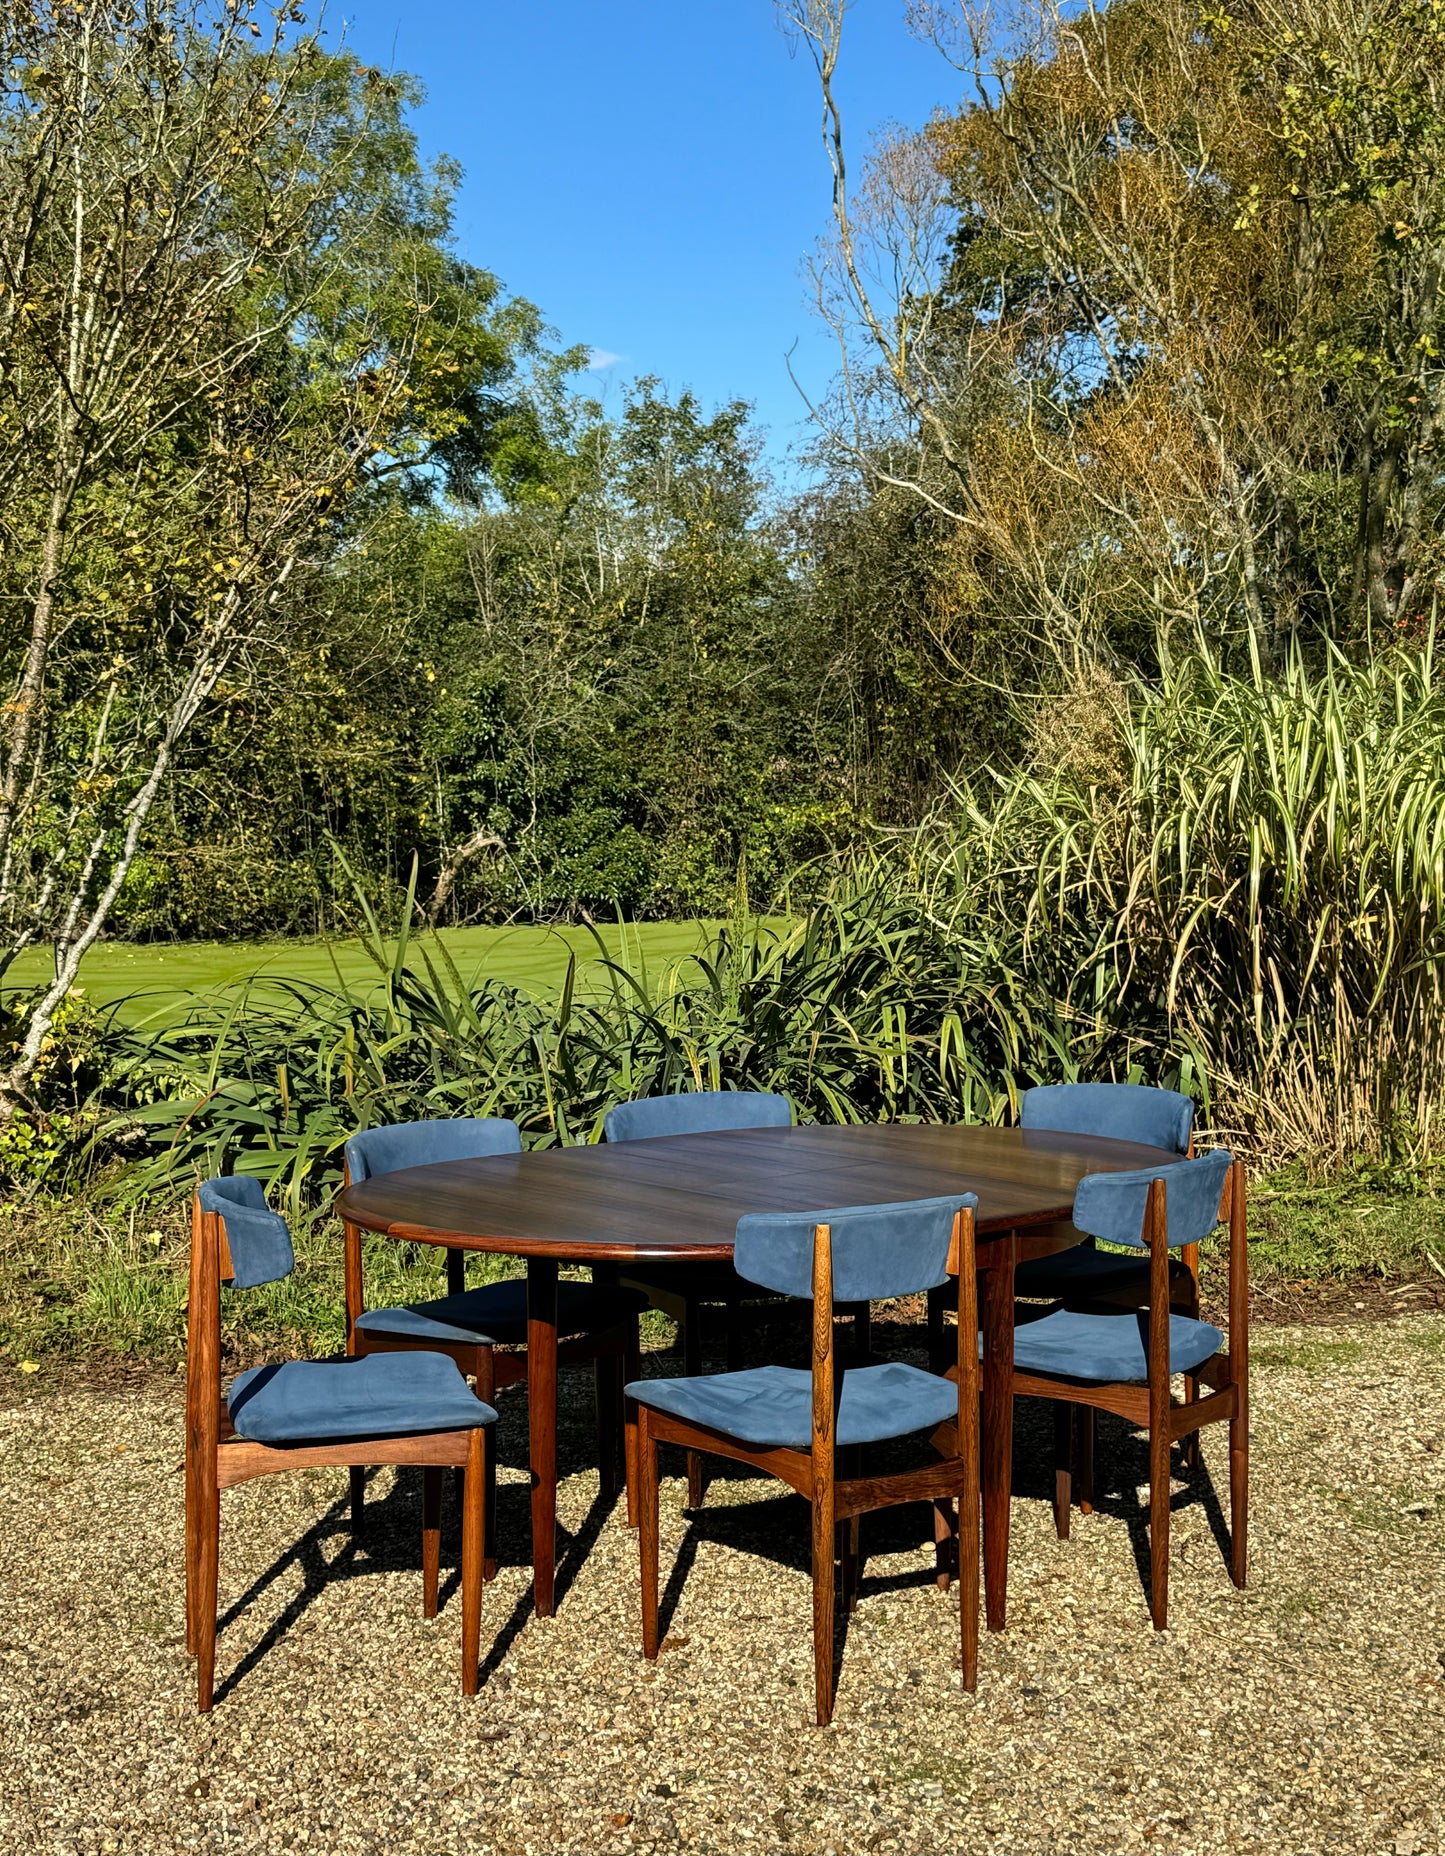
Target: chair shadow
[777,1527]
[391,1539]
[1121,1468]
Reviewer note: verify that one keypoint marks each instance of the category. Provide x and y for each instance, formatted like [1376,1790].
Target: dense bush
[1233,885]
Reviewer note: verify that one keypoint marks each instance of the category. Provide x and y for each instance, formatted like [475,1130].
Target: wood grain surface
[678,1198]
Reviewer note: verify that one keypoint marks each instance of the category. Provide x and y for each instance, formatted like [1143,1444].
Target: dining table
[677,1198]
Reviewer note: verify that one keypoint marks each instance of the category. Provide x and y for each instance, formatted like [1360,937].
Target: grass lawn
[151,976]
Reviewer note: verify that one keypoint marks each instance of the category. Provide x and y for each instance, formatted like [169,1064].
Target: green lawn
[152,976]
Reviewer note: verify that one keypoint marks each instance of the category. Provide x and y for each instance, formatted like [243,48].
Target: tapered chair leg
[1189,1301]
[358,1503]
[969,1539]
[604,1383]
[824,1577]
[1159,1526]
[1083,1457]
[851,1532]
[631,1373]
[692,1367]
[431,1538]
[647,1531]
[486,1382]
[474,1535]
[1063,1466]
[207,1572]
[192,1523]
[1239,1499]
[943,1542]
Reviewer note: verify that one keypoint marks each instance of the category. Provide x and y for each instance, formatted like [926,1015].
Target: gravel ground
[1304,1715]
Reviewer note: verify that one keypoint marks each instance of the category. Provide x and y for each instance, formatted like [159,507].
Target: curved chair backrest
[1118,1111]
[258,1239]
[425,1143]
[878,1250]
[1112,1205]
[700,1112]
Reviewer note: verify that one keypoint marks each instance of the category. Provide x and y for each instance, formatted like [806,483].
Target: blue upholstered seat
[877,1251]
[1113,1347]
[1119,1112]
[380,1395]
[773,1405]
[496,1315]
[1108,1348]
[699,1112]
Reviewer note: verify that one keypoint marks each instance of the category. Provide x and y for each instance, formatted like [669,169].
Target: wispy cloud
[599,359]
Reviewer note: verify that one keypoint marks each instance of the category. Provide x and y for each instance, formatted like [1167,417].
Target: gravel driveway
[1305,1715]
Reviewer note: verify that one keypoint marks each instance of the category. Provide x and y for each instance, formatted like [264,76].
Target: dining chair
[485,1329]
[306,1414]
[804,1426]
[683,1290]
[1086,1275]
[1122,1359]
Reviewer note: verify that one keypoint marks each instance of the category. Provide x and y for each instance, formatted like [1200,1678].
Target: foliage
[1247,905]
[227,309]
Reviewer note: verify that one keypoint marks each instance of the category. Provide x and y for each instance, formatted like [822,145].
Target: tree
[1153,322]
[228,311]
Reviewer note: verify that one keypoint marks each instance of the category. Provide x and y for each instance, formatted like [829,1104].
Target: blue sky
[649,172]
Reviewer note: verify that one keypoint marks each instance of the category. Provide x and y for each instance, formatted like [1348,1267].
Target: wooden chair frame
[1152,1407]
[216,1459]
[616,1353]
[837,1505]
[1074,1425]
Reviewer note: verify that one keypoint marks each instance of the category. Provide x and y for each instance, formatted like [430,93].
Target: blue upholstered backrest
[703,1112]
[1118,1111]
[258,1239]
[878,1250]
[1111,1205]
[424,1143]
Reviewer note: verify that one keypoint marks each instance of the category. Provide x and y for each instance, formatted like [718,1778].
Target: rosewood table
[678,1199]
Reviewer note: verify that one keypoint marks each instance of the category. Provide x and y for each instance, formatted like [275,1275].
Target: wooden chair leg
[969,1541]
[486,1378]
[604,1383]
[208,1557]
[943,1542]
[647,1531]
[824,1577]
[431,1537]
[192,1524]
[1239,1498]
[1083,1456]
[1063,1466]
[358,1503]
[692,1366]
[1189,1302]
[852,1561]
[1189,1443]
[1159,1525]
[631,1373]
[474,1537]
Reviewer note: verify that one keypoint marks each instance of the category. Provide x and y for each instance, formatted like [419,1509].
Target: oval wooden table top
[679,1197]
